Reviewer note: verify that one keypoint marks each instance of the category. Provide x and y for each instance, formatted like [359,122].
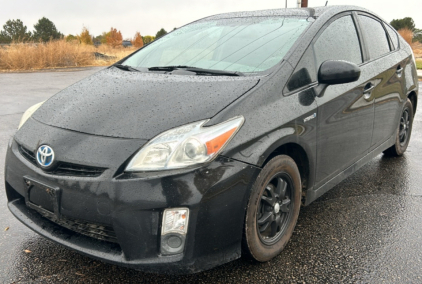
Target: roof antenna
[326,3]
[286,5]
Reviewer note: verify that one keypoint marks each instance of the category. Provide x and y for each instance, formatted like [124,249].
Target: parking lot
[366,229]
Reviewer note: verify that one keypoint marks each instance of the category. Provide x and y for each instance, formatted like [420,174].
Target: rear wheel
[403,132]
[273,209]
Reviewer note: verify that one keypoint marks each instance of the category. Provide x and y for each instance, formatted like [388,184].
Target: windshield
[244,45]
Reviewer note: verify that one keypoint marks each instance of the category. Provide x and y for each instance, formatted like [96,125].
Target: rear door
[388,81]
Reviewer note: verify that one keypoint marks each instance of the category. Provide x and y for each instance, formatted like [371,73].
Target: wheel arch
[301,158]
[414,99]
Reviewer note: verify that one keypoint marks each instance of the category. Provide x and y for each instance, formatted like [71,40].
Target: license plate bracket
[42,197]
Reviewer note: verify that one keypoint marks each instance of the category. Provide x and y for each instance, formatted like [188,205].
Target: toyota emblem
[45,156]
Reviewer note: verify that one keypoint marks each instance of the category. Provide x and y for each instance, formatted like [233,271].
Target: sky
[149,16]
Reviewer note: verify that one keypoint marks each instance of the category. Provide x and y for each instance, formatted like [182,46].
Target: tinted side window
[375,37]
[393,36]
[305,72]
[339,41]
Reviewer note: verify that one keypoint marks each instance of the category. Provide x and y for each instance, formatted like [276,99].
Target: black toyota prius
[202,146]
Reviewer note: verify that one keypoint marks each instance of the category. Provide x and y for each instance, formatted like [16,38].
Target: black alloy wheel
[404,130]
[273,209]
[404,127]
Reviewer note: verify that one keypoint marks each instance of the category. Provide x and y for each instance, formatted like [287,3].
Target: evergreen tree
[14,30]
[46,30]
[407,22]
[160,33]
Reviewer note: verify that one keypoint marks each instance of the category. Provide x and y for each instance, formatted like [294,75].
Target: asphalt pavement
[367,229]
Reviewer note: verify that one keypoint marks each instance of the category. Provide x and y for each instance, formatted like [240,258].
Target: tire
[403,131]
[273,209]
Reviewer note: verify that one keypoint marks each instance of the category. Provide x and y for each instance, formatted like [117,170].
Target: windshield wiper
[126,67]
[196,70]
[166,68]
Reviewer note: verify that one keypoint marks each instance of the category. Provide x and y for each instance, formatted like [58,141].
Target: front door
[346,111]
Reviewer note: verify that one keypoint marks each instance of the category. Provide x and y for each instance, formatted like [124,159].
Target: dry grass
[417,49]
[118,52]
[56,54]
[406,34]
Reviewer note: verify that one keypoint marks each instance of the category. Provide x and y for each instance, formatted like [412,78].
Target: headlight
[184,146]
[28,113]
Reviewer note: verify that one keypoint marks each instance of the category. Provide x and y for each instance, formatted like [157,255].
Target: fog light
[174,229]
[174,241]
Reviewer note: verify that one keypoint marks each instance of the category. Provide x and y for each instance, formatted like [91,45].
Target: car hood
[124,104]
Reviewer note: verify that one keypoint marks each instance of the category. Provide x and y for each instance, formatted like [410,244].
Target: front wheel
[273,209]
[403,131]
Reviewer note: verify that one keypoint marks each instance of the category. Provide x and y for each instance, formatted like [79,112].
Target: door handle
[399,71]
[367,90]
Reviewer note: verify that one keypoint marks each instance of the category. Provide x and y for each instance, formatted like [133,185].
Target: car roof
[300,12]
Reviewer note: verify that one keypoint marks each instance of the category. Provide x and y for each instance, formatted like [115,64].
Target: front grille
[67,169]
[97,231]
[64,169]
[28,155]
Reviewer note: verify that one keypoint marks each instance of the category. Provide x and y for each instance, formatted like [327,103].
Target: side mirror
[332,72]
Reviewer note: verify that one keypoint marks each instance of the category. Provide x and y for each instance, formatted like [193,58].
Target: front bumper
[216,196]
